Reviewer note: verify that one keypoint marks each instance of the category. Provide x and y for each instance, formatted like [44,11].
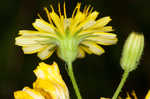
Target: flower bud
[132,51]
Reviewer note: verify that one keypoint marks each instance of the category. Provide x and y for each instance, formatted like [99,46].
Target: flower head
[70,36]
[49,84]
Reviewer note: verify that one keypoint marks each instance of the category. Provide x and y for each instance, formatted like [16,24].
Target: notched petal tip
[103,21]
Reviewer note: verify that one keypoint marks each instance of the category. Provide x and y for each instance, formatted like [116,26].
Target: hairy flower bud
[132,51]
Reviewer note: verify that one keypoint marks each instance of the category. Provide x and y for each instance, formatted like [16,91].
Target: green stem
[74,83]
[124,78]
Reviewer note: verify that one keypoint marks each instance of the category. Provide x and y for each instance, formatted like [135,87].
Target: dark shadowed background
[96,75]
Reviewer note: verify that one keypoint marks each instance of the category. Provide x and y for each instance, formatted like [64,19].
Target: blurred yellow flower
[133,95]
[148,95]
[48,85]
[71,36]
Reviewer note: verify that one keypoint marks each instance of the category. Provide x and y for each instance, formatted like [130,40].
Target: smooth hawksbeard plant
[48,85]
[71,36]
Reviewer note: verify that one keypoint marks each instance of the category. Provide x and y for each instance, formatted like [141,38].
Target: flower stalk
[122,82]
[74,83]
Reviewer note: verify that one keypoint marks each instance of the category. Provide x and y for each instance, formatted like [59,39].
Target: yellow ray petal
[55,90]
[104,35]
[28,93]
[50,72]
[87,25]
[32,49]
[90,29]
[79,17]
[89,21]
[102,22]
[86,49]
[102,41]
[46,52]
[103,38]
[92,16]
[36,33]
[96,49]
[43,26]
[22,95]
[107,29]
[26,41]
[99,29]
[59,22]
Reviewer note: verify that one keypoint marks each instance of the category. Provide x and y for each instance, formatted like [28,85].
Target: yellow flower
[148,95]
[71,36]
[48,85]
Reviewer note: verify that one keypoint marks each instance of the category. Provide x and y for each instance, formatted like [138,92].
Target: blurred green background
[96,75]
